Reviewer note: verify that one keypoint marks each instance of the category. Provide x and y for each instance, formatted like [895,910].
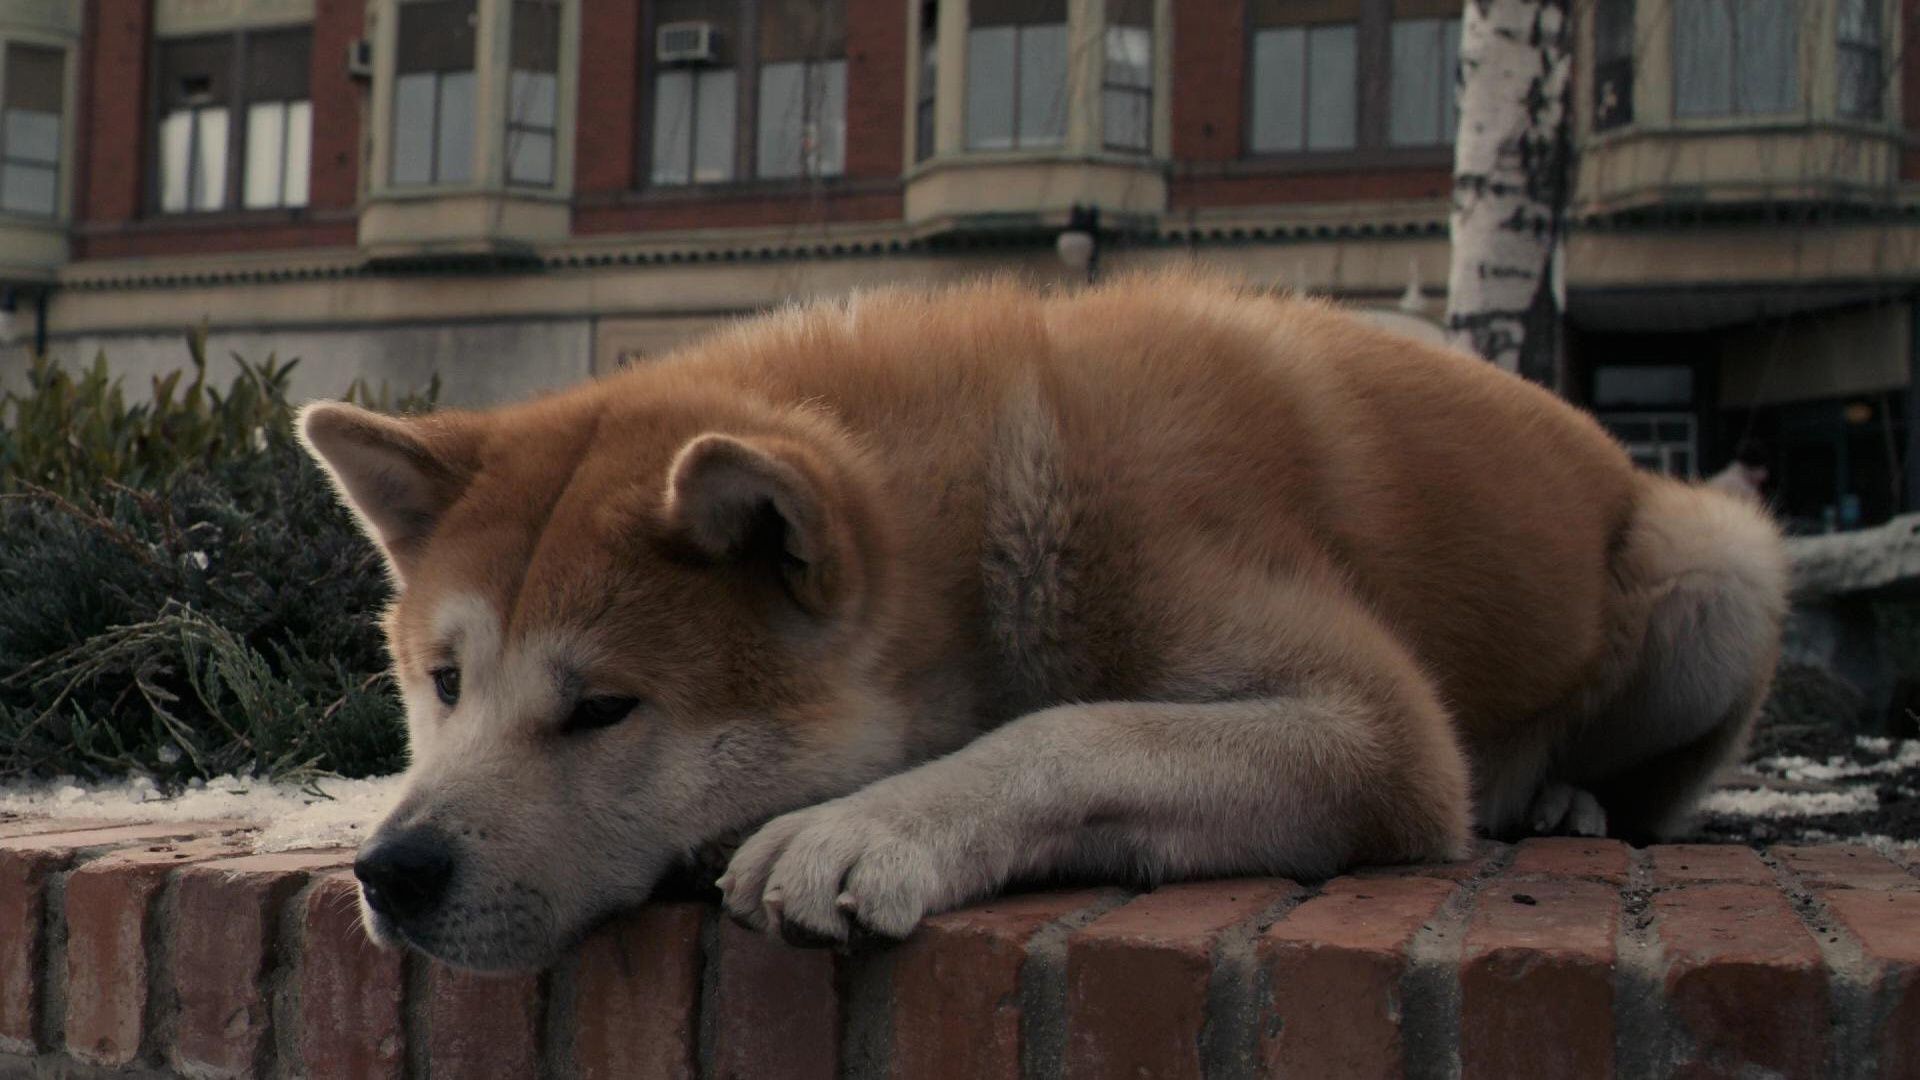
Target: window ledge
[1383,157]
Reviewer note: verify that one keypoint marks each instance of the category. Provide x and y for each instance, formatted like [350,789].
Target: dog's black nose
[404,876]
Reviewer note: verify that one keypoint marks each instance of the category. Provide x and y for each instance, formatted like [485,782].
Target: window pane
[1016,12]
[1860,21]
[32,136]
[413,128]
[1613,30]
[1651,385]
[176,142]
[1331,88]
[782,119]
[802,29]
[1703,57]
[299,167]
[1449,79]
[828,128]
[533,100]
[196,71]
[1767,34]
[455,130]
[673,127]
[1126,118]
[266,154]
[990,88]
[529,156]
[1043,85]
[1279,77]
[1413,118]
[1859,74]
[210,168]
[279,65]
[535,45]
[29,189]
[36,79]
[435,35]
[1129,56]
[713,128]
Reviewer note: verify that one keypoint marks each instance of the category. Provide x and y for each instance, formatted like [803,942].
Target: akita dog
[929,592]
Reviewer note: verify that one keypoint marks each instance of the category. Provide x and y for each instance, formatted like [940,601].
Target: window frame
[745,139]
[1361,128]
[435,180]
[1140,93]
[237,104]
[1016,143]
[1876,49]
[63,131]
[513,126]
[1443,102]
[1735,112]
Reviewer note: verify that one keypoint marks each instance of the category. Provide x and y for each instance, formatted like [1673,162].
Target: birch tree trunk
[1511,172]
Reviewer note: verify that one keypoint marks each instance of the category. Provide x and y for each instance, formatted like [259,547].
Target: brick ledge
[167,949]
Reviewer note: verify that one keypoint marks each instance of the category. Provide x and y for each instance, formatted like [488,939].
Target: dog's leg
[1300,784]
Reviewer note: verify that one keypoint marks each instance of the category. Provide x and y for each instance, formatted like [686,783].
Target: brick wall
[338,100]
[1209,72]
[608,117]
[166,947]
[113,69]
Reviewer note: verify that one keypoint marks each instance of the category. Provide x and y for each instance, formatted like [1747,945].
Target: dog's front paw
[1560,809]
[815,874]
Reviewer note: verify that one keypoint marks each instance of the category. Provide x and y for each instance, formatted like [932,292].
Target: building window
[1857,60]
[433,93]
[1425,69]
[1305,84]
[279,132]
[30,114]
[802,110]
[1612,64]
[695,103]
[1016,74]
[1736,57]
[533,93]
[1126,92]
[923,117]
[196,92]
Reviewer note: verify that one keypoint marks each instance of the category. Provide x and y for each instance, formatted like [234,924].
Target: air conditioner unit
[686,43]
[360,59]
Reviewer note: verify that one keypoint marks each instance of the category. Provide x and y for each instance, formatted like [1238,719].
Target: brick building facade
[519,193]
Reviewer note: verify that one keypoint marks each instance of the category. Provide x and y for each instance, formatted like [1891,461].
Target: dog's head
[621,631]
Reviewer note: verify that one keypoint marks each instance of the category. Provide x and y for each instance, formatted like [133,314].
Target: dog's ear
[768,504]
[397,475]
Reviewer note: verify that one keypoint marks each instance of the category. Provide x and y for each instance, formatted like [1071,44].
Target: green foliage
[180,593]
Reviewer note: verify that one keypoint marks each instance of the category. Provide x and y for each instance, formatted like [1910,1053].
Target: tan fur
[1180,581]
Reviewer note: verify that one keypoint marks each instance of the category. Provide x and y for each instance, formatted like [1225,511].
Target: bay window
[1858,61]
[1736,57]
[1126,93]
[533,93]
[433,93]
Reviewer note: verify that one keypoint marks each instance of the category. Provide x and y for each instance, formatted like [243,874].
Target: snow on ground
[324,813]
[1776,804]
[1901,754]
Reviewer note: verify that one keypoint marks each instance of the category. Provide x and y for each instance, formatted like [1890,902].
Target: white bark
[1511,173]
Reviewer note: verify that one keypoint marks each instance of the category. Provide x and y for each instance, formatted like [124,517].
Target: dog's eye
[446,683]
[599,712]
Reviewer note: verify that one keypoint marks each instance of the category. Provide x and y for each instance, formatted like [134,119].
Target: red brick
[778,1016]
[225,922]
[1137,978]
[1281,185]
[1744,979]
[484,1027]
[1536,979]
[338,101]
[956,986]
[605,149]
[1571,856]
[1334,965]
[723,209]
[1887,926]
[26,863]
[1472,866]
[350,990]
[19,826]
[113,109]
[109,910]
[636,1004]
[876,85]
[1845,866]
[1699,864]
[1209,66]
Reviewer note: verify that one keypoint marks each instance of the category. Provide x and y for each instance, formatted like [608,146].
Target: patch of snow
[1781,804]
[323,814]
[1902,755]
